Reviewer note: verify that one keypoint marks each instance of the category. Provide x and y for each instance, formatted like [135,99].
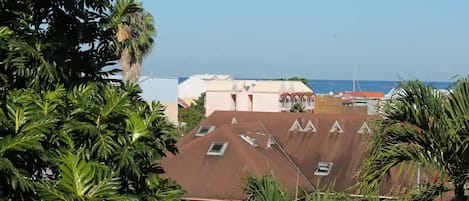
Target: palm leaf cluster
[267,188]
[134,30]
[423,127]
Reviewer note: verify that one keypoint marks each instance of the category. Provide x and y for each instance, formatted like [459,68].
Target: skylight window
[217,148]
[336,128]
[323,168]
[204,130]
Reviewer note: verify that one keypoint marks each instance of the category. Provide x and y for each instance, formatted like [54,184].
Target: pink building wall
[231,96]
[218,101]
[223,101]
[266,102]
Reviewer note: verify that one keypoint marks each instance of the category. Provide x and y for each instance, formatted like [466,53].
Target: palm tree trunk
[459,192]
[125,64]
[135,71]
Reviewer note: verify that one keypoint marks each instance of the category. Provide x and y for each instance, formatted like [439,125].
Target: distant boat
[354,94]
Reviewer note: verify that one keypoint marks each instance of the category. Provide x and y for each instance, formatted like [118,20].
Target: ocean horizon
[334,86]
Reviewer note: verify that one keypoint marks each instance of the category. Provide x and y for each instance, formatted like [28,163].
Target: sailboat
[357,93]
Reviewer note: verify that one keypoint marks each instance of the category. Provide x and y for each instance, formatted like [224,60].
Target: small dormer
[296,126]
[234,121]
[336,128]
[364,129]
[310,127]
[203,130]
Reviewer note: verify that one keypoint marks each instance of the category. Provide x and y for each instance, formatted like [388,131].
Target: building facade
[257,96]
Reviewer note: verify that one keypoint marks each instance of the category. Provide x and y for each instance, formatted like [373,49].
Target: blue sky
[379,40]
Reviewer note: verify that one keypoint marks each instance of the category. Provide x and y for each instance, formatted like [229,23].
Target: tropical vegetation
[134,30]
[298,107]
[67,131]
[267,188]
[423,128]
[194,114]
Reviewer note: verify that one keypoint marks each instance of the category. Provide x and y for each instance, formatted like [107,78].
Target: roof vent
[296,126]
[310,127]
[234,121]
[323,168]
[336,128]
[250,140]
[364,129]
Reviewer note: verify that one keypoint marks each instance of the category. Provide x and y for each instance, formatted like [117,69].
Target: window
[323,168]
[204,130]
[217,148]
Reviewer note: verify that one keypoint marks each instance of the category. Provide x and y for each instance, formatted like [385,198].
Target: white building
[195,85]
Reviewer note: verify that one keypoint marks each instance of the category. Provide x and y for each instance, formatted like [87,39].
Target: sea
[333,86]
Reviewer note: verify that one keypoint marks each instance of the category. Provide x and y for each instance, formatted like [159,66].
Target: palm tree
[134,34]
[424,128]
[264,188]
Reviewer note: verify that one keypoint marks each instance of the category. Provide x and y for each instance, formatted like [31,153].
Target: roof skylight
[217,148]
[204,130]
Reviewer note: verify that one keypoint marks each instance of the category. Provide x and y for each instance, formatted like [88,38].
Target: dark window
[323,168]
[204,130]
[217,148]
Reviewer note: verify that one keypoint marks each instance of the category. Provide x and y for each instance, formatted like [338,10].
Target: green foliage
[66,133]
[81,180]
[267,188]
[421,126]
[107,145]
[194,114]
[134,30]
[43,43]
[298,107]
[302,79]
[264,188]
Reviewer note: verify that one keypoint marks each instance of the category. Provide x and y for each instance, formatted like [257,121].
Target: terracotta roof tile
[221,176]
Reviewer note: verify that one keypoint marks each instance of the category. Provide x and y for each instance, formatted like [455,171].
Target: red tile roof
[220,177]
[364,94]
